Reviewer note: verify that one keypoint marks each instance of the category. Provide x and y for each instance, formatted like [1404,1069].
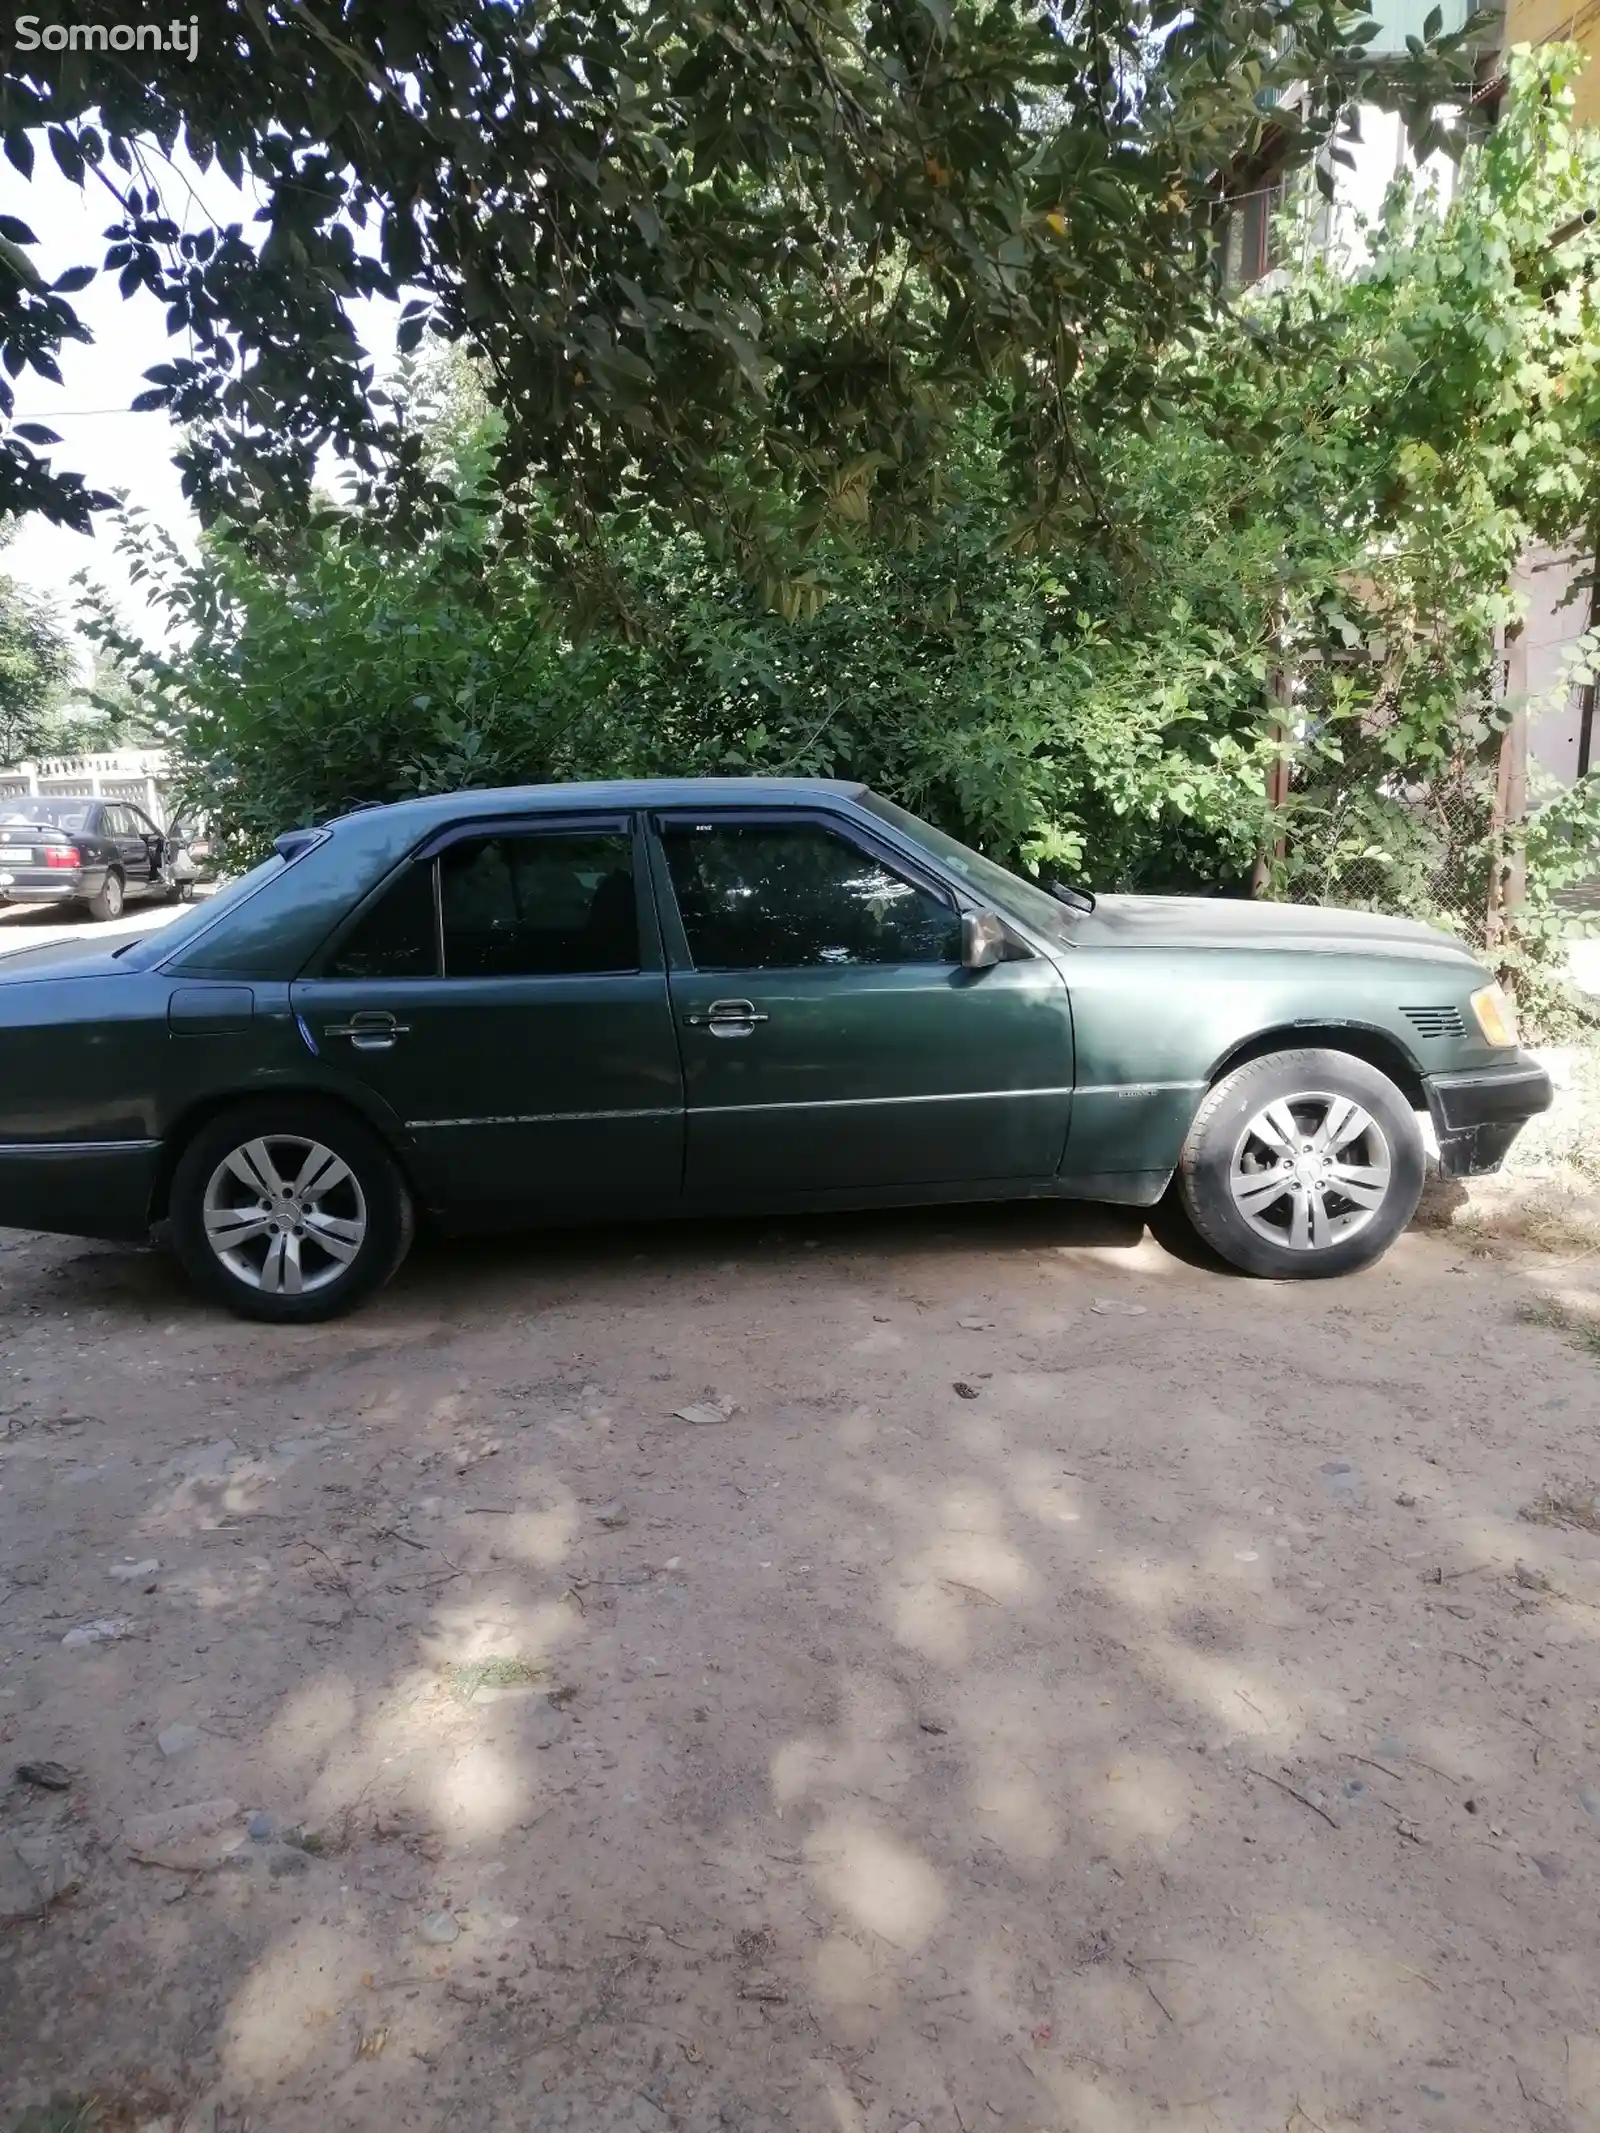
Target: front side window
[794,895]
[558,905]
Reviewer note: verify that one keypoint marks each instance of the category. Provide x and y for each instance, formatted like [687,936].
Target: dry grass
[466,1680]
[1565,1140]
[1542,1215]
[1580,1324]
[1547,1199]
[81,2117]
[1567,1504]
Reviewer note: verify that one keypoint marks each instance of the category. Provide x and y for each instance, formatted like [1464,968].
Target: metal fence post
[1280,687]
[1508,873]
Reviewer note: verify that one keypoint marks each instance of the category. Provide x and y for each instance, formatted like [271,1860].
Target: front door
[124,826]
[504,997]
[831,1040]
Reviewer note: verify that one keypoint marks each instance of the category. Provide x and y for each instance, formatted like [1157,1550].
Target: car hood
[1219,922]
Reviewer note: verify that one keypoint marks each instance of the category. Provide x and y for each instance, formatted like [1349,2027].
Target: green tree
[36,667]
[744,262]
[1317,534]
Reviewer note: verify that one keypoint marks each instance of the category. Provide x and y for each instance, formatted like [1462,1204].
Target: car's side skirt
[79,1188]
[1122,1188]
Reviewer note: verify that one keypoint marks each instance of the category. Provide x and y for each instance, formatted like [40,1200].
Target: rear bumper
[80,1188]
[1478,1115]
[33,885]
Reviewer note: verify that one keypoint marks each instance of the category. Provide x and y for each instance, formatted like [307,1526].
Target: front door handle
[372,1030]
[729,1018]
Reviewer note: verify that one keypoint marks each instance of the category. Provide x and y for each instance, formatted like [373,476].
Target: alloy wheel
[1310,1170]
[284,1214]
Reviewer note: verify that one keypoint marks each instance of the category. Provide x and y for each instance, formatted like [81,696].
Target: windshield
[150,948]
[1035,906]
[60,814]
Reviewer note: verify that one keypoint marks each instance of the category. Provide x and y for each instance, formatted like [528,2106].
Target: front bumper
[1478,1115]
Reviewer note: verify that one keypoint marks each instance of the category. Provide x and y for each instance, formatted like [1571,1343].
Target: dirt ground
[1071,1689]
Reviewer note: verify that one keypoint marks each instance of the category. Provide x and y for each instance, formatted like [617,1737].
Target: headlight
[1497,1018]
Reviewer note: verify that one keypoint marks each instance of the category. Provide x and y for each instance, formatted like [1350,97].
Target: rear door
[504,996]
[832,1041]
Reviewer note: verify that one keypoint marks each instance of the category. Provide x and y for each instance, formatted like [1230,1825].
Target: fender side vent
[1435,1021]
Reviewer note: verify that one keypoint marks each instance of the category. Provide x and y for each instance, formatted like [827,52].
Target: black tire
[379,1203]
[1223,1152]
[107,901]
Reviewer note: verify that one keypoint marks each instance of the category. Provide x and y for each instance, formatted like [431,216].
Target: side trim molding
[1136,1088]
[877,1103]
[140,1147]
[539,1118]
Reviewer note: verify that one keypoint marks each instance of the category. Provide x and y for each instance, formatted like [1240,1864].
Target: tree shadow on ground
[1007,1715]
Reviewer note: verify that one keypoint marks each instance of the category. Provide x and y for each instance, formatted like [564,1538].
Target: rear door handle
[372,1030]
[728,1018]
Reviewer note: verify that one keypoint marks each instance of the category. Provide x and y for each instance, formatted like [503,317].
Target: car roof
[612,793]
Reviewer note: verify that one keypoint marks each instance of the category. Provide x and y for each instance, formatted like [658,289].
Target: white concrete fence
[136,774]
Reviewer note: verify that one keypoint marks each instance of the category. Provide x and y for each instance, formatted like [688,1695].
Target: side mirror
[983,940]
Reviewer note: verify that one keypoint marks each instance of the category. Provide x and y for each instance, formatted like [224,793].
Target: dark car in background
[97,853]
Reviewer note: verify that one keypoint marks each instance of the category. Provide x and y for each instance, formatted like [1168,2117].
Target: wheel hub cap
[284,1214]
[1310,1170]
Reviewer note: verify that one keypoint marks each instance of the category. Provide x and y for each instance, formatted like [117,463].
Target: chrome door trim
[8,1148]
[863,1103]
[1134,1088]
[540,1118]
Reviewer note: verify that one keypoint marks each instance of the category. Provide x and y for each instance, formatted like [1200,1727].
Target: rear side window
[793,895]
[396,937]
[539,906]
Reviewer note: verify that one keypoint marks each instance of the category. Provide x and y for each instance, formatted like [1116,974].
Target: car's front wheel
[1302,1164]
[289,1210]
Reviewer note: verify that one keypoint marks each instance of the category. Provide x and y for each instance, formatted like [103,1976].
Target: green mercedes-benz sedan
[562,1003]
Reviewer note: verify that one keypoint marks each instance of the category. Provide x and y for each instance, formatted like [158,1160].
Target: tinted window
[395,938]
[995,883]
[117,822]
[146,950]
[546,906]
[784,896]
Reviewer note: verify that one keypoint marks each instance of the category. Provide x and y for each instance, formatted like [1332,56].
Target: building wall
[1562,21]
[1379,155]
[1545,580]
[1536,660]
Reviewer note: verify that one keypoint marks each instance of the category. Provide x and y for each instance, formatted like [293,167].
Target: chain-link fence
[1422,851]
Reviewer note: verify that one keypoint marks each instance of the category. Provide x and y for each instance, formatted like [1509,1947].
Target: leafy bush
[1306,560]
[971,687]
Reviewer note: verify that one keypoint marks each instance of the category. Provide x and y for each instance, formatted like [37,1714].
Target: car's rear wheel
[107,900]
[289,1210]
[1302,1164]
